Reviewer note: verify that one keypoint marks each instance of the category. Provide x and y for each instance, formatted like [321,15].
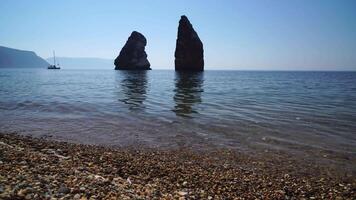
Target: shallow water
[243,110]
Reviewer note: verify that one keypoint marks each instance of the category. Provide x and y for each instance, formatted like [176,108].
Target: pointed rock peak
[184,18]
[137,35]
[189,54]
[133,55]
[184,24]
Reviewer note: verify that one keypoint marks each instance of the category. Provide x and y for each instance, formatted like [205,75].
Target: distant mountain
[83,63]
[13,58]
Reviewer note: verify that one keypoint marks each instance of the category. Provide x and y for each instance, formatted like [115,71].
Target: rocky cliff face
[189,54]
[11,58]
[133,56]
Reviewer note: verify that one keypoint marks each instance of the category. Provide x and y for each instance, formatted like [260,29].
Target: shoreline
[38,168]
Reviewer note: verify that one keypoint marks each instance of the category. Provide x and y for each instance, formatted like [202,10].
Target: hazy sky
[264,34]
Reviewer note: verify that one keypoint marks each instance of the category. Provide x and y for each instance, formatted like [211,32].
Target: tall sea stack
[133,56]
[189,54]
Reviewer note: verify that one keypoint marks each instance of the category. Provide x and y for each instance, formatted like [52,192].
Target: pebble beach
[38,168]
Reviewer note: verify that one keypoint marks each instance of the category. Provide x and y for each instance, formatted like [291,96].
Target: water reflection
[134,89]
[188,89]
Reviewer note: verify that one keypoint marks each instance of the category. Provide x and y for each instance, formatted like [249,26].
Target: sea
[288,111]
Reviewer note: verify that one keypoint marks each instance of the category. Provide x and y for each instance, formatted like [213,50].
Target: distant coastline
[15,58]
[29,59]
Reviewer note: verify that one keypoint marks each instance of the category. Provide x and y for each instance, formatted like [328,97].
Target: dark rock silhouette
[133,56]
[11,58]
[188,90]
[189,54]
[133,89]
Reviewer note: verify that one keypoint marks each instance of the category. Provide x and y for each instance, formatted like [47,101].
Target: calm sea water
[234,109]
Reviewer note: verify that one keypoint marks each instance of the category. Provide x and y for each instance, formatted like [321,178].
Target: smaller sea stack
[133,56]
[189,54]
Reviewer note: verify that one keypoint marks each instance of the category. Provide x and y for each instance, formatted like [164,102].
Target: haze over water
[292,111]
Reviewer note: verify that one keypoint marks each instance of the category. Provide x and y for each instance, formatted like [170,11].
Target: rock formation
[133,56]
[189,54]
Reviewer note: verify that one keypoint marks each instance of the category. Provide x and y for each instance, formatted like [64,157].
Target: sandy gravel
[34,168]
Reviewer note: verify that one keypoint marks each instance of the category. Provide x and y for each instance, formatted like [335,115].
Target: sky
[242,35]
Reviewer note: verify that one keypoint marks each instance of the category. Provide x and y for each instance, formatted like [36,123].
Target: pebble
[94,172]
[181,193]
[21,193]
[29,196]
[63,190]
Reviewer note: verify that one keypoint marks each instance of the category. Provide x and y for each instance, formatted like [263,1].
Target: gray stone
[63,190]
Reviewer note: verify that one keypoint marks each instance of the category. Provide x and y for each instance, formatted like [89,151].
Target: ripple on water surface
[235,109]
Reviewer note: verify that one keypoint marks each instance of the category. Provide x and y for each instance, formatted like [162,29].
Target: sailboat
[54,66]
